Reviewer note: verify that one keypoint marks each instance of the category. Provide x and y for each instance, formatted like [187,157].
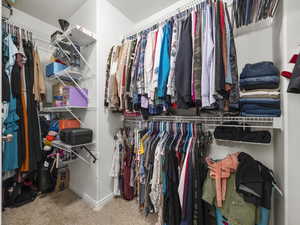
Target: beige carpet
[66,208]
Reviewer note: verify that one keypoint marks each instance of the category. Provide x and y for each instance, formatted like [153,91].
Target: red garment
[50,138]
[288,72]
[128,192]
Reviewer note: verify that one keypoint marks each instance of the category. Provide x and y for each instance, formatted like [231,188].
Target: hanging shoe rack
[75,35]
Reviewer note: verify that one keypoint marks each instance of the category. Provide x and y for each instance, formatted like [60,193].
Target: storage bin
[57,93]
[75,97]
[54,68]
[64,124]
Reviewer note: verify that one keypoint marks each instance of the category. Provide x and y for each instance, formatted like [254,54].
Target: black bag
[46,182]
[16,194]
[76,136]
[294,85]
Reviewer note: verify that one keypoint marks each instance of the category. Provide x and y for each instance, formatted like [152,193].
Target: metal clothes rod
[28,29]
[168,16]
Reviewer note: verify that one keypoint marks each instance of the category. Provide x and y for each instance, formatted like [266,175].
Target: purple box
[75,97]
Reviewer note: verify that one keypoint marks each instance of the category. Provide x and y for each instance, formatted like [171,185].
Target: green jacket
[235,209]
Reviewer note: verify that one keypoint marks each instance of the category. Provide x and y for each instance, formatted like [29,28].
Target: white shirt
[154,81]
[207,60]
[149,61]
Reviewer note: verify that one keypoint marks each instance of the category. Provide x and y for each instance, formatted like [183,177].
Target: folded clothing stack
[260,96]
[233,133]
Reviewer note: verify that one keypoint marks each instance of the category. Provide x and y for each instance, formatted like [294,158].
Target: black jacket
[254,181]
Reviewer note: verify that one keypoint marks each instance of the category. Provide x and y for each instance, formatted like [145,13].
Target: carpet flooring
[66,208]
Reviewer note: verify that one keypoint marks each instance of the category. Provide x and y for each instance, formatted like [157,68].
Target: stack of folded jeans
[260,96]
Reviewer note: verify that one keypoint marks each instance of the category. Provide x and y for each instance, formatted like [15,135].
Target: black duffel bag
[76,136]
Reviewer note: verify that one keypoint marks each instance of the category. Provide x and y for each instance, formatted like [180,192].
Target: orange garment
[220,171]
[39,87]
[25,165]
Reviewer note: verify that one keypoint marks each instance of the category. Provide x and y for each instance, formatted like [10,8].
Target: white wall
[280,142]
[84,178]
[292,154]
[111,28]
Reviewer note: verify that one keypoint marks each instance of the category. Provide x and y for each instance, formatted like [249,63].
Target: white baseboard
[103,201]
[85,197]
[96,205]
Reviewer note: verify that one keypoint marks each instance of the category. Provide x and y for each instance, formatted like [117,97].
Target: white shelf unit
[75,35]
[82,37]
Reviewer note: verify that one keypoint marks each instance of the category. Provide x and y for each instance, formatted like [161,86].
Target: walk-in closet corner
[173,112]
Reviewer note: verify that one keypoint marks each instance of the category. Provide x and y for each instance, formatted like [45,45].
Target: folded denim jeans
[261,101]
[246,107]
[257,114]
[260,86]
[259,69]
[261,111]
[260,80]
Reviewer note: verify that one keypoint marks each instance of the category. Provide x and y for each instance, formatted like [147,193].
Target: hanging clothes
[10,155]
[164,68]
[39,88]
[173,56]
[32,111]
[207,59]
[157,164]
[183,68]
[10,124]
[108,66]
[186,61]
[197,59]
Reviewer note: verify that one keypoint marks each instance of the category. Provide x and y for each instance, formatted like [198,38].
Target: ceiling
[49,10]
[145,7]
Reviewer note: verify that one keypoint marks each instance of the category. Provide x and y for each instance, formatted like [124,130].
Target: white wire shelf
[64,109]
[260,25]
[63,146]
[81,36]
[85,155]
[221,141]
[254,122]
[78,35]
[67,75]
